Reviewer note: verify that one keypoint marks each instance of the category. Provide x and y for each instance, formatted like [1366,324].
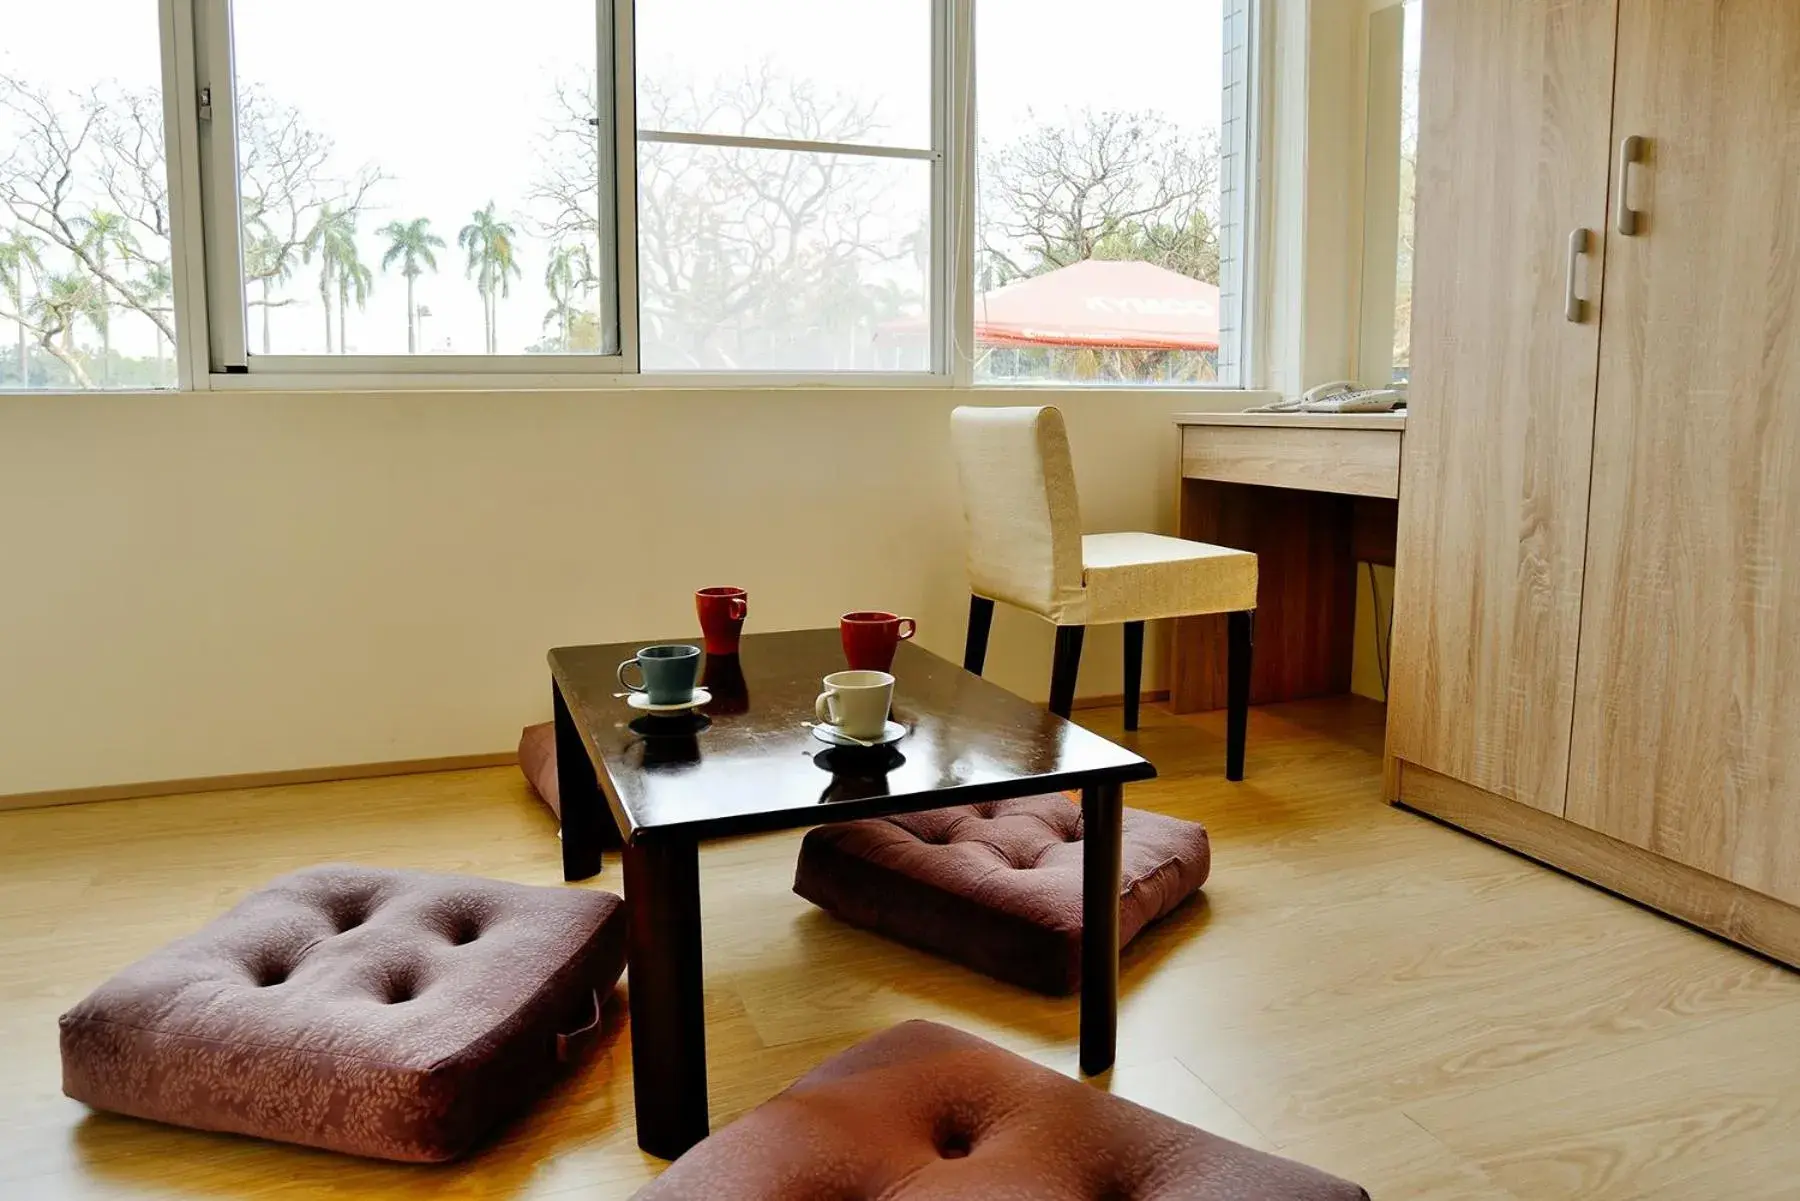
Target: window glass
[817,70]
[773,260]
[1409,163]
[86,295]
[420,178]
[757,252]
[1099,168]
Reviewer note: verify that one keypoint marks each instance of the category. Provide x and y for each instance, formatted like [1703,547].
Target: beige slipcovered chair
[1026,548]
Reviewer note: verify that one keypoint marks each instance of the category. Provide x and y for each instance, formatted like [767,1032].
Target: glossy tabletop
[750,762]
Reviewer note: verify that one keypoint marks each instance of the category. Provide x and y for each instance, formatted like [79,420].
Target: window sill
[1203,397]
[685,382]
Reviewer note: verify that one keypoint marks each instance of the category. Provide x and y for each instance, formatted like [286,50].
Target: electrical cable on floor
[1382,644]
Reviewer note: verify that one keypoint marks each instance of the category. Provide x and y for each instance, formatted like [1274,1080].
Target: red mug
[722,613]
[870,639]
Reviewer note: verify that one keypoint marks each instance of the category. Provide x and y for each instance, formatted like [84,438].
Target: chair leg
[981,620]
[1241,639]
[1134,671]
[1066,668]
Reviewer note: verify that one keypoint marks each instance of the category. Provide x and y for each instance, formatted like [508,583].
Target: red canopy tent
[1104,305]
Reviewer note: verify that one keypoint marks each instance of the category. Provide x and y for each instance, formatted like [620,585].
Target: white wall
[204,584]
[211,583]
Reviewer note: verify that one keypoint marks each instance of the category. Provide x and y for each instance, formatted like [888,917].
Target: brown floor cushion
[537,759]
[391,1014]
[996,887]
[924,1111]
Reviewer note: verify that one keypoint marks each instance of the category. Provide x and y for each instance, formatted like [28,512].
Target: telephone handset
[1347,396]
[1340,396]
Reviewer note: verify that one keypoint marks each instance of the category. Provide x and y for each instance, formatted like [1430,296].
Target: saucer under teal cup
[668,673]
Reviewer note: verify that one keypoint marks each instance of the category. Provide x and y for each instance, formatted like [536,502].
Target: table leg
[667,991]
[585,819]
[1102,812]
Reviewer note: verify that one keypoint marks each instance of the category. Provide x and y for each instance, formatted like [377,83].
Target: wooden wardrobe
[1597,617]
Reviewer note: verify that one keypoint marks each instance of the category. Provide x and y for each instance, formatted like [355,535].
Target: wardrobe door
[1515,109]
[1687,730]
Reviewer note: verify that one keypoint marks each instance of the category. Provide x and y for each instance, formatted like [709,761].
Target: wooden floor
[1360,988]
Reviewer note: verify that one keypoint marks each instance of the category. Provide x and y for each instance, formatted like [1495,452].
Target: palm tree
[62,301]
[19,255]
[353,279]
[492,264]
[570,271]
[102,234]
[412,243]
[332,240]
[150,294]
[268,261]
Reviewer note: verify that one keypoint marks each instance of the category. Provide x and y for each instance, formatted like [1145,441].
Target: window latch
[206,103]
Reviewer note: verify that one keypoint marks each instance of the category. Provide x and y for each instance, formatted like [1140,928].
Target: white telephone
[1340,396]
[1347,396]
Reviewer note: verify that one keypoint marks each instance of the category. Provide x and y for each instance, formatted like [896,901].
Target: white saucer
[893,733]
[641,701]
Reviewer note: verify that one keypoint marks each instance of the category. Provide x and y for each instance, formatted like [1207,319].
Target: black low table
[746,762]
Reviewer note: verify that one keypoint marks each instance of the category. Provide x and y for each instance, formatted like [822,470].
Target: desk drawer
[1350,461]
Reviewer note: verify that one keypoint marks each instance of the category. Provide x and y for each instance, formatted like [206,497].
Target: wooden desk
[1312,495]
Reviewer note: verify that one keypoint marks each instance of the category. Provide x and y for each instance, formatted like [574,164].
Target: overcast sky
[449,98]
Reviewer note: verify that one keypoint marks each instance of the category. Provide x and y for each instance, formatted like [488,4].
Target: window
[434,187]
[1409,165]
[446,190]
[1109,183]
[1384,354]
[786,177]
[85,285]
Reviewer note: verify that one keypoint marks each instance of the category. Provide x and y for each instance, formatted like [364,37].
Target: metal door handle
[1572,306]
[1631,150]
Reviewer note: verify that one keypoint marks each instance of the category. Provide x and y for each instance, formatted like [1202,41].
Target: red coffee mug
[722,613]
[870,638]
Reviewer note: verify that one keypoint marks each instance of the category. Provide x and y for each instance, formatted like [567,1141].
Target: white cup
[856,702]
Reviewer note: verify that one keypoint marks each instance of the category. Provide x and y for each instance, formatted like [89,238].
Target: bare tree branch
[1104,185]
[738,247]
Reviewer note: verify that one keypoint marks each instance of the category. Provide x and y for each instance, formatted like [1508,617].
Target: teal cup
[667,674]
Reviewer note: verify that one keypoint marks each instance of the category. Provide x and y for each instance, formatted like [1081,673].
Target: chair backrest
[1024,519]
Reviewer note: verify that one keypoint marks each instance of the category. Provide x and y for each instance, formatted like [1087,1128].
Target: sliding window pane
[86,295]
[1098,214]
[421,177]
[779,260]
[856,71]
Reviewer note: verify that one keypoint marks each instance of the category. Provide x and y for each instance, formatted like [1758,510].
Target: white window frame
[209,289]
[1240,191]
[938,285]
[1241,169]
[229,361]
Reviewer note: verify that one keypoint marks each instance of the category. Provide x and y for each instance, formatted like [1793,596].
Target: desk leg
[668,994]
[585,818]
[1102,812]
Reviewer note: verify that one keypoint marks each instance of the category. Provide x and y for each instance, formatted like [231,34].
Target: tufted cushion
[384,1013]
[996,887]
[924,1111]
[537,759]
